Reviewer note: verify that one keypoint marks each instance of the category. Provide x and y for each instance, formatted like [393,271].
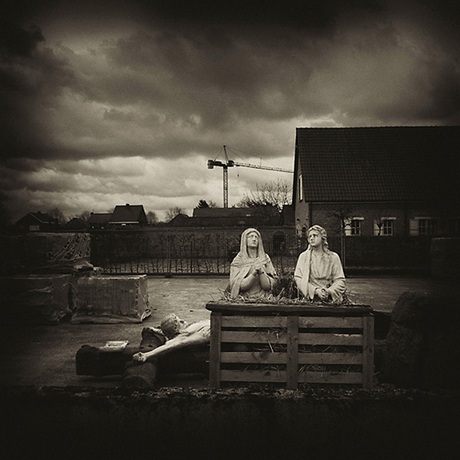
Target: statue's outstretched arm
[192,336]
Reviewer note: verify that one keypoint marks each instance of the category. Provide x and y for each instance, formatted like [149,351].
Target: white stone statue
[251,272]
[179,335]
[319,273]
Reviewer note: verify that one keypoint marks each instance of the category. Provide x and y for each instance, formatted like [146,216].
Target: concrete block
[38,299]
[111,299]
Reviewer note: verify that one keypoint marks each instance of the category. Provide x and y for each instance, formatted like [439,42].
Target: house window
[425,226]
[353,226]
[300,188]
[384,226]
[34,228]
[387,228]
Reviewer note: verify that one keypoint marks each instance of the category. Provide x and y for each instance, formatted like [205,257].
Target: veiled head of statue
[251,240]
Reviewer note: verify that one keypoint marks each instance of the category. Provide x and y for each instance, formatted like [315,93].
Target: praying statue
[252,274]
[319,273]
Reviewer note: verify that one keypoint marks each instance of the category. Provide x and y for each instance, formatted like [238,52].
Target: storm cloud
[104,103]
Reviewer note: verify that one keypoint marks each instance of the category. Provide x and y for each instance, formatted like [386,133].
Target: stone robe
[242,265]
[320,272]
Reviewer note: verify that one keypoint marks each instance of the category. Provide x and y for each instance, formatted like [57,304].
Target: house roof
[99,218]
[379,163]
[229,217]
[223,212]
[75,223]
[41,217]
[128,214]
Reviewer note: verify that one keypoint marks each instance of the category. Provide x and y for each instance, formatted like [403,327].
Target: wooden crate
[291,344]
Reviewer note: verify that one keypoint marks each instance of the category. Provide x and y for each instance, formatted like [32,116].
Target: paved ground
[45,355]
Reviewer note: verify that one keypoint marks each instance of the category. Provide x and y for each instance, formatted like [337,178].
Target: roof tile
[377,164]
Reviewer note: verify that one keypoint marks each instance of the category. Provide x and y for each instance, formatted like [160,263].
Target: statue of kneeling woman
[252,274]
[319,273]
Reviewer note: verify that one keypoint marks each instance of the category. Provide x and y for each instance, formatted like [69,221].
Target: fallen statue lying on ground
[179,335]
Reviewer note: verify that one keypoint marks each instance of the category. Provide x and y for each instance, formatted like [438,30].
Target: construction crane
[230,164]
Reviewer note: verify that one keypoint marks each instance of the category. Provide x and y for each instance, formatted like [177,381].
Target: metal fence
[187,266]
[211,253]
[162,254]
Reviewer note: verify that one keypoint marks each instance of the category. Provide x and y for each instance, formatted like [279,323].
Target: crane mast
[230,163]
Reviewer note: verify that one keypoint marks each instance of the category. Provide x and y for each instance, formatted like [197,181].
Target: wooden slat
[330,322]
[368,352]
[289,309]
[290,327]
[330,358]
[304,339]
[254,321]
[268,375]
[271,375]
[253,337]
[292,364]
[214,351]
[330,339]
[331,377]
[264,357]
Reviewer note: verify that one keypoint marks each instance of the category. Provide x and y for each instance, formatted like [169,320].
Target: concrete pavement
[43,355]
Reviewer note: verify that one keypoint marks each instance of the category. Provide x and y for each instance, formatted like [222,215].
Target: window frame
[415,226]
[349,229]
[386,221]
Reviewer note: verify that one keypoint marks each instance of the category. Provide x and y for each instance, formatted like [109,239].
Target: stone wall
[228,424]
[445,257]
[423,344]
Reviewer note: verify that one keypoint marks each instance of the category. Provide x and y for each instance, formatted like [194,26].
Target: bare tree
[152,218]
[343,215]
[84,216]
[173,212]
[276,193]
[56,213]
[379,220]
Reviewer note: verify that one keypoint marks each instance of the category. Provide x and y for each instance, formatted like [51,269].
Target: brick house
[277,228]
[99,220]
[128,216]
[37,222]
[378,181]
[235,217]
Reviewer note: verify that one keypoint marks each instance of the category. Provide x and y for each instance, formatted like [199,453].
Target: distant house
[229,217]
[128,216]
[37,222]
[276,228]
[75,224]
[181,220]
[99,220]
[378,181]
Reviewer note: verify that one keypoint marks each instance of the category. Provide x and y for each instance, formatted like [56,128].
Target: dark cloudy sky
[113,102]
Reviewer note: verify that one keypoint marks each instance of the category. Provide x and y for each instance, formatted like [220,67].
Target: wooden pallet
[291,344]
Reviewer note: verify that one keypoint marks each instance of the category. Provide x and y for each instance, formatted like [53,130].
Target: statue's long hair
[323,235]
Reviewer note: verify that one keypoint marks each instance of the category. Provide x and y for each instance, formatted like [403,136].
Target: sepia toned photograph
[229,229]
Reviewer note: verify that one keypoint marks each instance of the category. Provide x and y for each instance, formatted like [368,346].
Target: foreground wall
[172,423]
